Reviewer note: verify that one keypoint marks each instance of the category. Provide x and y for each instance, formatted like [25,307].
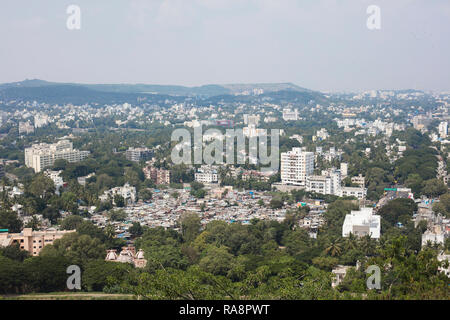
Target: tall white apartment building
[296,165]
[43,155]
[443,129]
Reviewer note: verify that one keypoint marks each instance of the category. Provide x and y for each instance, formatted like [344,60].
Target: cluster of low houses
[221,203]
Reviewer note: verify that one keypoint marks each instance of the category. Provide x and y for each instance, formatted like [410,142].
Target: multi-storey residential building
[31,241]
[296,165]
[357,192]
[25,127]
[328,183]
[318,184]
[138,154]
[443,129]
[359,180]
[206,175]
[158,176]
[43,155]
[290,115]
[421,121]
[361,223]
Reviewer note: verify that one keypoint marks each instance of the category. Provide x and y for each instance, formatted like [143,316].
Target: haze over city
[320,45]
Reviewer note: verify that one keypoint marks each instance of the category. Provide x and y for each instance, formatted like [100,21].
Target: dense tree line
[261,260]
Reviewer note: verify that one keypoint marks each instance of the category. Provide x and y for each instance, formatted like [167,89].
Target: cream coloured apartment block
[43,155]
[32,241]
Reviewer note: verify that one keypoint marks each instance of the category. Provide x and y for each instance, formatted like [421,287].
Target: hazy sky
[317,44]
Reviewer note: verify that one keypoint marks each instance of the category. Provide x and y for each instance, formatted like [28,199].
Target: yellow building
[32,241]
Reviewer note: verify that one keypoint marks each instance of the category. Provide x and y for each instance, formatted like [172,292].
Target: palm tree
[351,242]
[367,245]
[334,248]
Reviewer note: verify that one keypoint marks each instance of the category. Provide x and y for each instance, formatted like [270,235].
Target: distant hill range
[206,90]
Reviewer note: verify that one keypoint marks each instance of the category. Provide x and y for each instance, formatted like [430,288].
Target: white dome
[111,255]
[125,256]
[140,254]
